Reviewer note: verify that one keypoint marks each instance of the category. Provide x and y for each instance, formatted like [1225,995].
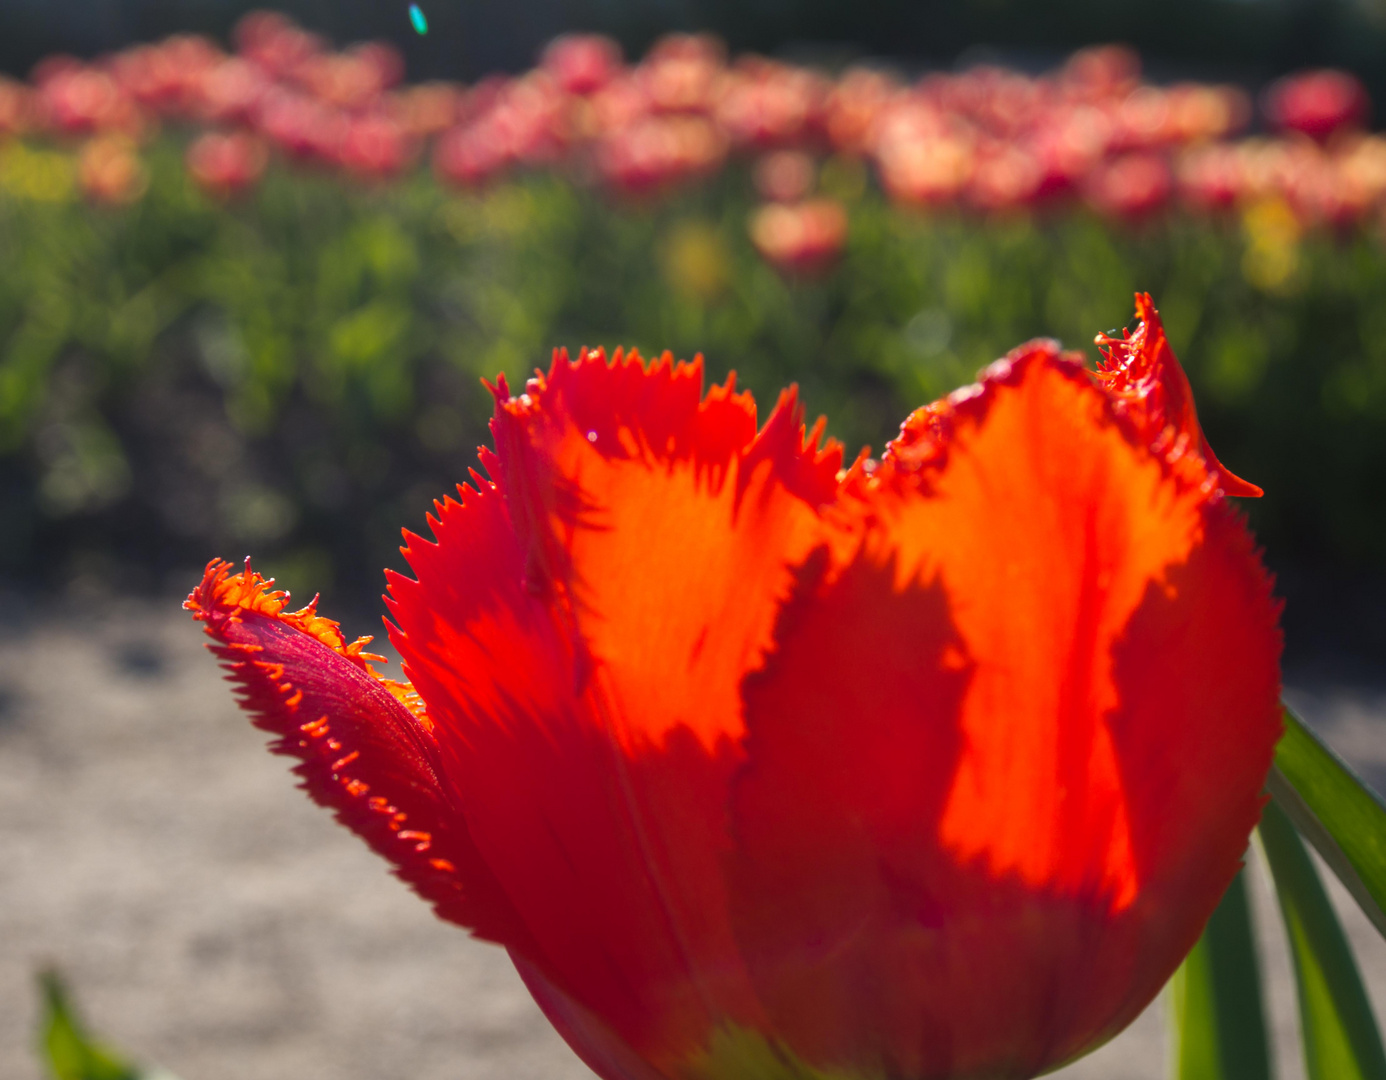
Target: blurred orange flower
[111,171]
[803,237]
[929,767]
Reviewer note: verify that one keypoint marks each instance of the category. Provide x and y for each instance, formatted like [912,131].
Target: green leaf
[66,1047]
[1338,1029]
[1336,812]
[1219,1020]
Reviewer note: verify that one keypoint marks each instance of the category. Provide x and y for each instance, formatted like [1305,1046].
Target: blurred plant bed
[238,310]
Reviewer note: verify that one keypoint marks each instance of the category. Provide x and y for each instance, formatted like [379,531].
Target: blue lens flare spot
[417,17]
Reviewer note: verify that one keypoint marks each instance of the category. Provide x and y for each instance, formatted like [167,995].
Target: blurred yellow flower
[38,175]
[1272,243]
[694,259]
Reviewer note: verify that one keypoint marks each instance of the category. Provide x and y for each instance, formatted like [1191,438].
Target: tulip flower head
[760,767]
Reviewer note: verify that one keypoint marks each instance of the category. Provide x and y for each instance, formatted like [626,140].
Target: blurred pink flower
[582,63]
[800,238]
[1317,103]
[226,164]
[1130,187]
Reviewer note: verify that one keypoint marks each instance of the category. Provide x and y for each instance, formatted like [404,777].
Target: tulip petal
[1008,750]
[365,745]
[1145,378]
[579,630]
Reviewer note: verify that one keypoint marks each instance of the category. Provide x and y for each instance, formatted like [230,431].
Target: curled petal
[579,628]
[1141,373]
[365,744]
[1007,751]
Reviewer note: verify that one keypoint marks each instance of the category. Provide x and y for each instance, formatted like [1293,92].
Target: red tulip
[74,99]
[232,91]
[1210,177]
[784,175]
[1146,381]
[275,43]
[1207,112]
[469,155]
[301,126]
[682,73]
[375,147]
[925,170]
[226,165]
[854,107]
[1131,187]
[765,104]
[1006,176]
[930,768]
[1069,144]
[803,237]
[1318,103]
[354,79]
[582,63]
[165,77]
[658,152]
[1102,72]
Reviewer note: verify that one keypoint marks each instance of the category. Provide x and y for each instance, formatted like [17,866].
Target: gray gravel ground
[210,919]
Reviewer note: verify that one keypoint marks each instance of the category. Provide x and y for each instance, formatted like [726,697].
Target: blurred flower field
[248,297]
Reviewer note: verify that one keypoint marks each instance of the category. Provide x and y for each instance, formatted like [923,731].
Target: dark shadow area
[1254,38]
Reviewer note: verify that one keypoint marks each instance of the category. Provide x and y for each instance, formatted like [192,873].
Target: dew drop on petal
[591,436]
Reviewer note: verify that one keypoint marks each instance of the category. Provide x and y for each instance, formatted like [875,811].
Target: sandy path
[210,919]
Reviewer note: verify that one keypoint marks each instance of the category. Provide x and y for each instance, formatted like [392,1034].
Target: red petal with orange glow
[366,747]
[1009,748]
[580,627]
[1141,373]
[934,767]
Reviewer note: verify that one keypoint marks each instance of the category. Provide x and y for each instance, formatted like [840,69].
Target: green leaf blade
[1336,812]
[1338,1028]
[1218,1013]
[65,1045]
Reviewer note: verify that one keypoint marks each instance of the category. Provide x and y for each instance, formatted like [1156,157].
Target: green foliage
[1338,1030]
[67,1049]
[298,374]
[1217,1014]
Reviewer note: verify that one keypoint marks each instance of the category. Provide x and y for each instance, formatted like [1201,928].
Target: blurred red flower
[854,106]
[165,77]
[73,99]
[784,175]
[1131,187]
[1317,103]
[930,767]
[764,104]
[582,63]
[683,73]
[231,91]
[1210,177]
[802,237]
[656,152]
[226,164]
[375,147]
